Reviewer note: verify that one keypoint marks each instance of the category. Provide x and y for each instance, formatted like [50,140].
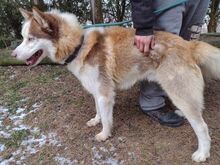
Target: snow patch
[25,99]
[20,127]
[31,144]
[5,134]
[132,156]
[36,105]
[56,78]
[2,147]
[19,110]
[63,161]
[3,110]
[12,77]
[7,161]
[111,161]
[99,156]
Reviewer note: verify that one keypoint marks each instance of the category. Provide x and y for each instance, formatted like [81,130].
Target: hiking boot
[170,119]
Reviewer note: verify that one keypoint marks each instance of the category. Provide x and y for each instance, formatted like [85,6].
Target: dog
[106,59]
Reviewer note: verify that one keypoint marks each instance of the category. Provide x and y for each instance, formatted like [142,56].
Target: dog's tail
[208,58]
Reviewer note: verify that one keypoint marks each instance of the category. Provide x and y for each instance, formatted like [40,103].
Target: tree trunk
[120,10]
[39,4]
[123,3]
[214,15]
[97,11]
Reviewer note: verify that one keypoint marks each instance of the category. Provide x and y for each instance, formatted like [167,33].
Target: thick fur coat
[108,60]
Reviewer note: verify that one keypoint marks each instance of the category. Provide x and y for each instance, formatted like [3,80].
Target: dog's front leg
[105,105]
[94,121]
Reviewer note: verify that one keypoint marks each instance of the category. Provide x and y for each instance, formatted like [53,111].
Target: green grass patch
[43,78]
[46,156]
[11,98]
[10,94]
[19,85]
[48,77]
[6,59]
[15,139]
[58,72]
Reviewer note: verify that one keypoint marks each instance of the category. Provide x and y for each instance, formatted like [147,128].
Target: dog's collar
[75,52]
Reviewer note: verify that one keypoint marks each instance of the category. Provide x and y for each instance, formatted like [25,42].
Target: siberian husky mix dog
[105,59]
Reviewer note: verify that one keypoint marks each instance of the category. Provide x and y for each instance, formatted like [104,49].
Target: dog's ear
[26,14]
[48,23]
[40,17]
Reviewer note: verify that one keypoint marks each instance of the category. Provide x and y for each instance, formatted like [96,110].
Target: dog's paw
[102,136]
[200,156]
[93,122]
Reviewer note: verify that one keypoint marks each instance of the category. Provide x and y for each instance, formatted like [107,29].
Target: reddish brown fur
[120,41]
[59,32]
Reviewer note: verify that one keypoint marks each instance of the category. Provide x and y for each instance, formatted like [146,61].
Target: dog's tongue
[33,59]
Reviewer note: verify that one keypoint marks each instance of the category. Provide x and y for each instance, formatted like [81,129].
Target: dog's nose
[14,54]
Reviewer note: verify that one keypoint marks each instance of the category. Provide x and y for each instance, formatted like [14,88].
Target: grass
[6,59]
[45,156]
[15,89]
[43,78]
[15,139]
[10,94]
[10,99]
[11,91]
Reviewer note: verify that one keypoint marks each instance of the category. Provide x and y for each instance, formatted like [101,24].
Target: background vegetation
[105,11]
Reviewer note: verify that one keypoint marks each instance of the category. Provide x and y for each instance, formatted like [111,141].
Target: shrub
[5,41]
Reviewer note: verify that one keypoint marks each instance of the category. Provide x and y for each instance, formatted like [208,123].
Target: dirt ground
[51,105]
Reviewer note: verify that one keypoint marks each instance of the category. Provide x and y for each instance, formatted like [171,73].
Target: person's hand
[144,43]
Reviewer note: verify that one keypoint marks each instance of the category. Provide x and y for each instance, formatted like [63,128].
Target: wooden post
[93,11]
[96,10]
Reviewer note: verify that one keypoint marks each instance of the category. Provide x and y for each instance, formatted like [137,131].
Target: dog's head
[43,35]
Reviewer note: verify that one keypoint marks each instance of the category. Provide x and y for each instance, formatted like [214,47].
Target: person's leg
[170,20]
[151,95]
[193,18]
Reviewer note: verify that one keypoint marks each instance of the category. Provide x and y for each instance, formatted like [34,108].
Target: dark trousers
[178,20]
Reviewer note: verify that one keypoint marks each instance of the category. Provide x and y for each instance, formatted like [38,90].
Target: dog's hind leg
[194,115]
[105,104]
[96,120]
[184,86]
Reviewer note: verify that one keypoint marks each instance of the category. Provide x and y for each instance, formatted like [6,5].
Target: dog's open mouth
[33,59]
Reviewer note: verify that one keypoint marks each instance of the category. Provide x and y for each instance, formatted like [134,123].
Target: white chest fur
[88,75]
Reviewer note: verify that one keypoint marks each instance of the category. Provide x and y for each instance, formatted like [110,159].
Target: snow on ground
[32,143]
[63,161]
[99,158]
[35,140]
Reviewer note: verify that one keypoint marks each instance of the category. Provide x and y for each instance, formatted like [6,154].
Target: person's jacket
[142,16]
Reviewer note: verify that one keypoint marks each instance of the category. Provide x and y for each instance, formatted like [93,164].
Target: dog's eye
[30,38]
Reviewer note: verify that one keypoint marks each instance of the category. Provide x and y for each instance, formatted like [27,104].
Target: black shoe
[169,119]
